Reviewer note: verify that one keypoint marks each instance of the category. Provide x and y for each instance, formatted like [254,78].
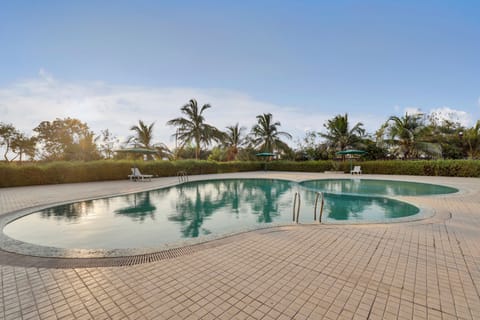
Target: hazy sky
[112,63]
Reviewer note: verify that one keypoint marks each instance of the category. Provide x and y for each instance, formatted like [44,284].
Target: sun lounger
[137,175]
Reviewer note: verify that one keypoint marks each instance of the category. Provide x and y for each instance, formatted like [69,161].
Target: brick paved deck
[428,269]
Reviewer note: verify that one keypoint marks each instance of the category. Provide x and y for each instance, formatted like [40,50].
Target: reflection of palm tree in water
[263,195]
[230,194]
[141,208]
[192,211]
[205,201]
[199,201]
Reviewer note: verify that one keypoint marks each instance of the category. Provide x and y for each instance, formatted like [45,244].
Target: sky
[112,63]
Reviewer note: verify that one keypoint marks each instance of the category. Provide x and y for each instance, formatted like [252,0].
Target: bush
[302,166]
[13,174]
[447,168]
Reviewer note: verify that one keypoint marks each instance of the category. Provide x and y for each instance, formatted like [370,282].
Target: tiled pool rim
[127,255]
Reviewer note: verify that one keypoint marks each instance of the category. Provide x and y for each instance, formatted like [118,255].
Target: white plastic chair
[356,170]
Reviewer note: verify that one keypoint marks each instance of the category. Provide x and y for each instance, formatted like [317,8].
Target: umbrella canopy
[351,151]
[265,154]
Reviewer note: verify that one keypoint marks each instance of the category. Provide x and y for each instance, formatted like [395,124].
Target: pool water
[153,218]
[376,187]
[196,209]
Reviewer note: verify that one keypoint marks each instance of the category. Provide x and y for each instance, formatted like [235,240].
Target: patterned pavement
[428,269]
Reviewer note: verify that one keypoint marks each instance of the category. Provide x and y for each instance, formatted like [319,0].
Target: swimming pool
[193,210]
[157,217]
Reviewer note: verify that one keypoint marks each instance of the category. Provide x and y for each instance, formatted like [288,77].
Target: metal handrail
[182,176]
[321,207]
[297,195]
[317,194]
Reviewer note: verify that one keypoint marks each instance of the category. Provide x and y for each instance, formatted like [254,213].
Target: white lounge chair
[356,170]
[137,175]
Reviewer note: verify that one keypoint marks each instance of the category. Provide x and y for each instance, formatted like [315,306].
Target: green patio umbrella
[351,151]
[265,155]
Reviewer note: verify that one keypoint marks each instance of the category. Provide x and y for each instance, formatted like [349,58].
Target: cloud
[28,102]
[446,113]
[442,114]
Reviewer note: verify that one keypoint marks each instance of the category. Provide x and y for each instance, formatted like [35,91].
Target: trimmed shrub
[13,174]
[303,166]
[447,168]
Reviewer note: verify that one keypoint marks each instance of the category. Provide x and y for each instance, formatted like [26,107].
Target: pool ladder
[295,197]
[296,208]
[182,176]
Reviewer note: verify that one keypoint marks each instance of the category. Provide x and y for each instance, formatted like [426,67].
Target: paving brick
[427,269]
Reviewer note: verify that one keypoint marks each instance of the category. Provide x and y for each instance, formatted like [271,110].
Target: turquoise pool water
[376,187]
[192,210]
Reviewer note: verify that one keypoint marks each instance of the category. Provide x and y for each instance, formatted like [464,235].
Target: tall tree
[143,138]
[106,143]
[472,140]
[192,127]
[409,134]
[339,134]
[446,134]
[66,139]
[266,136]
[233,140]
[8,133]
[23,145]
[308,148]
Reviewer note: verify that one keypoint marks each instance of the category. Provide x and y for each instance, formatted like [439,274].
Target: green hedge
[12,175]
[447,168]
[304,166]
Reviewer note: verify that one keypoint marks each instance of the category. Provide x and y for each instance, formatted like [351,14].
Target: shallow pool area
[206,209]
[360,186]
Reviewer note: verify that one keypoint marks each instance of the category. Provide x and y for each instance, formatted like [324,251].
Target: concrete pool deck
[428,269]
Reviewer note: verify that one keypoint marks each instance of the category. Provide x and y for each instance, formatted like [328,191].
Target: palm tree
[143,138]
[408,133]
[143,135]
[265,135]
[233,140]
[193,127]
[340,136]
